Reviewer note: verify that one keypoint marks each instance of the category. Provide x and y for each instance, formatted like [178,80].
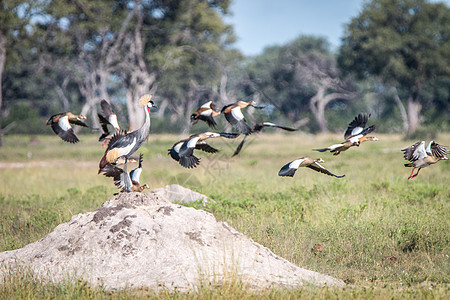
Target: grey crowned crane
[121,180]
[183,151]
[125,144]
[107,118]
[290,168]
[257,129]
[206,113]
[421,157]
[354,135]
[60,124]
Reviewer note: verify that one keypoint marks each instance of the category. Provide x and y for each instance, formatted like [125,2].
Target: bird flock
[121,144]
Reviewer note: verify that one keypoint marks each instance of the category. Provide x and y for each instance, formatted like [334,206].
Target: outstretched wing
[357,125]
[239,147]
[317,167]
[260,126]
[438,150]
[415,152]
[63,129]
[235,117]
[290,168]
[135,174]
[205,147]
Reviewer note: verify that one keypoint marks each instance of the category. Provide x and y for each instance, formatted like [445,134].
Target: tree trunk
[317,105]
[402,111]
[414,114]
[2,68]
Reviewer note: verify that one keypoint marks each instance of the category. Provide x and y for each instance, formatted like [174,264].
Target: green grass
[385,236]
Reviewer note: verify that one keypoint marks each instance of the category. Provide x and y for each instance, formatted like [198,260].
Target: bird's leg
[127,187]
[411,176]
[418,170]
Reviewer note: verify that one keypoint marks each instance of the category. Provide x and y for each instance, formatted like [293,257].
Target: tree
[15,15]
[301,76]
[404,42]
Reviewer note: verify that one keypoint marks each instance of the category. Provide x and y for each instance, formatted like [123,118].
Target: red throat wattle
[148,109]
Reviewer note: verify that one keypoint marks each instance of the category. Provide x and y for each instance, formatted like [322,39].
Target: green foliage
[405,44]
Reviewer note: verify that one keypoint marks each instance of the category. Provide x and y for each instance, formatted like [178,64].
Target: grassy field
[385,236]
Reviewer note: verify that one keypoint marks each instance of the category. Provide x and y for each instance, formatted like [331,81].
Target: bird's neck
[145,128]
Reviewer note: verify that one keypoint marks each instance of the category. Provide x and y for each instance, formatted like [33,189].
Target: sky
[261,23]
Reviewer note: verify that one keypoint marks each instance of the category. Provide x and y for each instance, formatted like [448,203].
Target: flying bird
[107,118]
[290,168]
[60,124]
[125,144]
[183,151]
[206,113]
[257,129]
[421,157]
[354,135]
[234,116]
[121,180]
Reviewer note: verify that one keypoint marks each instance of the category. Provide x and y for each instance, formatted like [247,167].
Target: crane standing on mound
[125,144]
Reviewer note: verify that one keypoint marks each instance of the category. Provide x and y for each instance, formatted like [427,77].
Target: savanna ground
[385,236]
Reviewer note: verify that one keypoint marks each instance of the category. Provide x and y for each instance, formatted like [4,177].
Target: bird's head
[210,134]
[319,160]
[145,101]
[81,117]
[145,186]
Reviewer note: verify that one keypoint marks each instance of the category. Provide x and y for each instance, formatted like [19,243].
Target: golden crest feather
[145,99]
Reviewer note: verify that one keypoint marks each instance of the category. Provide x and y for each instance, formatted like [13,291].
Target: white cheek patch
[64,123]
[237,113]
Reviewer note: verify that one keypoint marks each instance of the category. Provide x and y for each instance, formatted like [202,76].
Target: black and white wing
[63,129]
[356,126]
[319,168]
[260,126]
[135,174]
[290,168]
[438,150]
[235,117]
[415,152]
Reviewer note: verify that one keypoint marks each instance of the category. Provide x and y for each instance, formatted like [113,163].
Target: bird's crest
[145,99]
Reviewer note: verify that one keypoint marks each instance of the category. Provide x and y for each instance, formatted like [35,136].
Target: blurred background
[313,66]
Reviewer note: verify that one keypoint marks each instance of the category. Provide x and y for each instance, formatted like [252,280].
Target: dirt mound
[143,240]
